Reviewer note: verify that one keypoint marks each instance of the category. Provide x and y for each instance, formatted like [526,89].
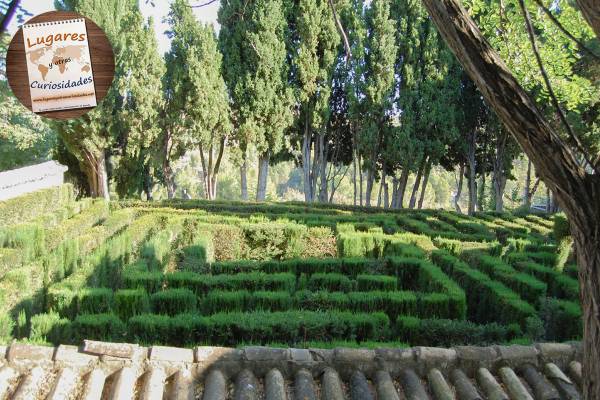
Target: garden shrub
[376,282]
[50,328]
[565,247]
[62,301]
[105,327]
[447,332]
[321,300]
[270,301]
[562,320]
[94,300]
[6,328]
[392,303]
[173,301]
[151,281]
[130,302]
[28,206]
[149,329]
[223,301]
[332,282]
[561,227]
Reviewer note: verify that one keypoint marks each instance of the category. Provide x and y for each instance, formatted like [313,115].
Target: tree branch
[342,32]
[209,2]
[10,13]
[565,31]
[555,103]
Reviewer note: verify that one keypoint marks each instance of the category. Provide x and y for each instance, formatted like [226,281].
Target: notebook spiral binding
[51,23]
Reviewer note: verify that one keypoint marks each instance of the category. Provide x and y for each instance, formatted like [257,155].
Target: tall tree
[90,137]
[141,92]
[576,186]
[198,105]
[314,59]
[260,93]
[379,81]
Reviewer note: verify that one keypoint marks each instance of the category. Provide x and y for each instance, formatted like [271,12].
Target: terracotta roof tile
[123,371]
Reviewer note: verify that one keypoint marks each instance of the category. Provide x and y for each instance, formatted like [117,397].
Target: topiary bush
[173,301]
[130,302]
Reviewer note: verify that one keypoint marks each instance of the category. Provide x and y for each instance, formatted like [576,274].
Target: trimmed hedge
[483,294]
[173,301]
[106,327]
[28,206]
[562,320]
[447,333]
[130,302]
[49,328]
[531,288]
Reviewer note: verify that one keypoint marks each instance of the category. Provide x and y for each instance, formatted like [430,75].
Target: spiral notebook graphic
[59,65]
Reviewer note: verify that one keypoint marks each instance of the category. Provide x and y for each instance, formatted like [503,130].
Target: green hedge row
[286,328]
[559,284]
[530,288]
[485,294]
[224,328]
[447,332]
[562,320]
[23,208]
[127,303]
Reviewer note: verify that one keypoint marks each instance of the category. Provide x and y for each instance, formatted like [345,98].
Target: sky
[158,12]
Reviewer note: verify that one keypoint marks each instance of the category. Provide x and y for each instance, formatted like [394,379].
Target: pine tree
[141,92]
[379,78]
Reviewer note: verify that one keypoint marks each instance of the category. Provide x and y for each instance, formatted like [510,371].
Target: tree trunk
[394,191]
[102,177]
[94,167]
[386,196]
[586,241]
[402,188]
[472,171]
[263,173]
[424,185]
[459,187]
[306,159]
[148,183]
[360,182]
[499,178]
[527,188]
[354,178]
[481,193]
[244,178]
[369,189]
[577,190]
[323,169]
[413,196]
[167,171]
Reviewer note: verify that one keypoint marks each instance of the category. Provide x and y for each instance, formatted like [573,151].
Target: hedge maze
[230,273]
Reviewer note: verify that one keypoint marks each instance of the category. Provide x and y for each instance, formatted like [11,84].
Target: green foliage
[94,301]
[130,302]
[106,327]
[376,282]
[562,320]
[561,227]
[173,301]
[329,281]
[6,328]
[49,328]
[23,208]
[447,333]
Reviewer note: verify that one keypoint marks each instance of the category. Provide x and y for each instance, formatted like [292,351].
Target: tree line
[276,83]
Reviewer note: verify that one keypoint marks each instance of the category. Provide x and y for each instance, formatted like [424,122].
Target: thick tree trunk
[167,170]
[586,241]
[402,188]
[94,167]
[577,191]
[424,185]
[263,173]
[415,190]
[323,169]
[481,193]
[394,191]
[386,196]
[459,186]
[306,159]
[244,179]
[499,178]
